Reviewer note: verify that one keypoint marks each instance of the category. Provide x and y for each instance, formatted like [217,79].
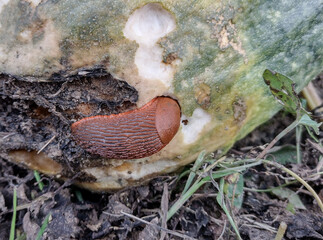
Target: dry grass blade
[312,97]
[281,231]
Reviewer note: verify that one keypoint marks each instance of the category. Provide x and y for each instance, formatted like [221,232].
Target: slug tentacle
[135,134]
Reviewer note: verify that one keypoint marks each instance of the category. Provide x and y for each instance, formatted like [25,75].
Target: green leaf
[221,201]
[38,179]
[310,124]
[290,207]
[284,154]
[235,190]
[220,196]
[293,198]
[283,90]
[307,121]
[43,227]
[311,134]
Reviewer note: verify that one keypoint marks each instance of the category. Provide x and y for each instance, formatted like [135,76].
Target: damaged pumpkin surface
[64,61]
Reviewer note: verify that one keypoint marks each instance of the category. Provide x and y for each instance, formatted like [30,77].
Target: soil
[31,113]
[79,214]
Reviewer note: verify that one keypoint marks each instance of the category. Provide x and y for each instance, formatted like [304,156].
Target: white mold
[146,26]
[194,127]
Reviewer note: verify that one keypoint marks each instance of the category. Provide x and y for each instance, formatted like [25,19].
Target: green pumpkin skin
[216,54]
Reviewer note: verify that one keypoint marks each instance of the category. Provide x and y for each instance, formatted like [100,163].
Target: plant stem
[309,188]
[299,130]
[277,138]
[280,186]
[14,214]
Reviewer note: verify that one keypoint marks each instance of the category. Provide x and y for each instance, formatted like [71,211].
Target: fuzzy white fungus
[146,26]
[191,131]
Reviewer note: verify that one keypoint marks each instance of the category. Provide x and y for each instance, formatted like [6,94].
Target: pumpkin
[61,61]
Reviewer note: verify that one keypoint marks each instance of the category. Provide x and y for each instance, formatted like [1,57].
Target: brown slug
[134,134]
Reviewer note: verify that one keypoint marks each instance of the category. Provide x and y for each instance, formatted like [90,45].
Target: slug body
[135,134]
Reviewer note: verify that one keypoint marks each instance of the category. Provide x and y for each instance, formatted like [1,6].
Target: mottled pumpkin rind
[222,45]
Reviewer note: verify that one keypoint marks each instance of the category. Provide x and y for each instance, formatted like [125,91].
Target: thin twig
[8,135]
[58,92]
[160,228]
[223,229]
[315,145]
[52,108]
[67,182]
[47,143]
[258,224]
[164,209]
